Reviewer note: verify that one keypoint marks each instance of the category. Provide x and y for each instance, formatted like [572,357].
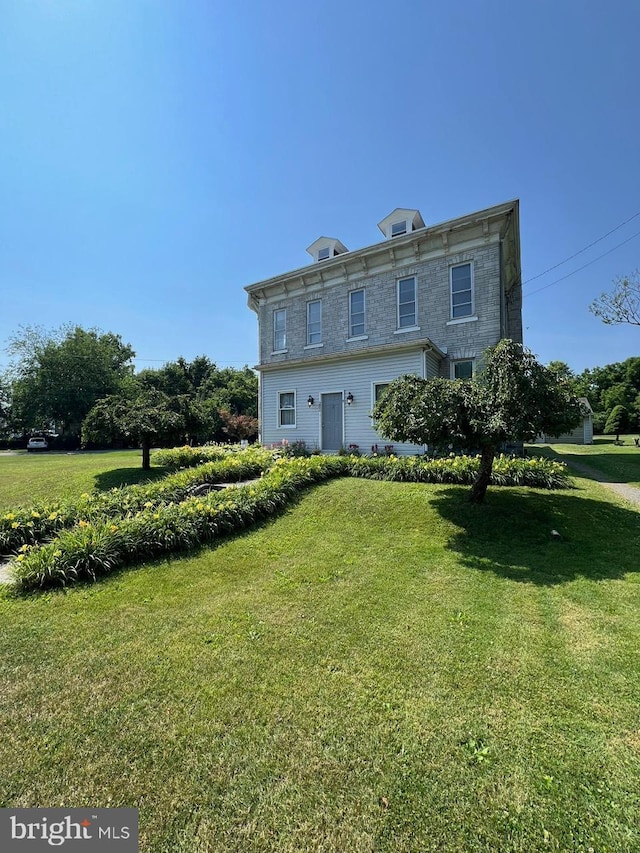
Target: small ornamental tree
[145,419]
[512,398]
[616,422]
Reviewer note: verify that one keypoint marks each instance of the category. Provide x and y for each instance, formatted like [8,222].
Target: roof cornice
[361,256]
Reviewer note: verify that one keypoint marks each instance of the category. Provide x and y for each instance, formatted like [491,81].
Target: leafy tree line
[63,379]
[614,386]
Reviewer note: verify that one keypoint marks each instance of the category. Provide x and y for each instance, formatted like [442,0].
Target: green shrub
[461,470]
[188,457]
[292,449]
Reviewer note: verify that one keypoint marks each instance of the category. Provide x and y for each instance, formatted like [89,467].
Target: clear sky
[158,155]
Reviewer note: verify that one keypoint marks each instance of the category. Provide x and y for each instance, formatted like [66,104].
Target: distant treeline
[57,377]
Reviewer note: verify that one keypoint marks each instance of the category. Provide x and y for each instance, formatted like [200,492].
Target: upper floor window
[463,369]
[279,329]
[287,409]
[356,313]
[314,322]
[406,302]
[398,228]
[324,253]
[461,291]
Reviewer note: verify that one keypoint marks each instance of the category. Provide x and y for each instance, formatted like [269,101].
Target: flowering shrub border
[462,470]
[96,548]
[101,544]
[22,526]
[188,457]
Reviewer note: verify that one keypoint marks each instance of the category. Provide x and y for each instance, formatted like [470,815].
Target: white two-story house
[426,300]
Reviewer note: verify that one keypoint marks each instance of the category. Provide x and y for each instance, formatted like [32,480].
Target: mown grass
[28,477]
[619,464]
[382,668]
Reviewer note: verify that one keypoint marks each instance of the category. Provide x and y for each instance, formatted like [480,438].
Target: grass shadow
[127,477]
[510,535]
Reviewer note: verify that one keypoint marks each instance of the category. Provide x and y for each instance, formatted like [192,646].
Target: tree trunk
[479,488]
[146,454]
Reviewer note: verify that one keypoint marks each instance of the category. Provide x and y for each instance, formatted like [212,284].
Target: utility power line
[580,251]
[584,266]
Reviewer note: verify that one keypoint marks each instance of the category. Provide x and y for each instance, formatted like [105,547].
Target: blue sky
[158,155]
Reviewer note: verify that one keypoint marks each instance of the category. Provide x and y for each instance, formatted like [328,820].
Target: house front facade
[426,300]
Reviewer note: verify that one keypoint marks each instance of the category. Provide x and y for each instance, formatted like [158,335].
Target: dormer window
[325,248]
[401,221]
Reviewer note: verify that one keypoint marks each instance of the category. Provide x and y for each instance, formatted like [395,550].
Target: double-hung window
[406,302]
[461,291]
[399,228]
[463,369]
[287,409]
[279,329]
[324,254]
[314,322]
[356,313]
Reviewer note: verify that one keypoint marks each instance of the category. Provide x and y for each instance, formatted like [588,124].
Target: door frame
[323,394]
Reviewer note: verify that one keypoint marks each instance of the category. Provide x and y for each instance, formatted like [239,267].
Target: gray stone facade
[487,240]
[461,339]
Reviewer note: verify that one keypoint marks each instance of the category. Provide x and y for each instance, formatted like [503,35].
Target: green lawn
[382,668]
[618,464]
[28,477]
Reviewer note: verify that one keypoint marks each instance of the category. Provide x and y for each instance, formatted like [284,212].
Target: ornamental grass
[35,524]
[94,548]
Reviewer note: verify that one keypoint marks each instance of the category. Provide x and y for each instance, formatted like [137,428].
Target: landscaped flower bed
[34,524]
[130,525]
[188,457]
[95,548]
[461,470]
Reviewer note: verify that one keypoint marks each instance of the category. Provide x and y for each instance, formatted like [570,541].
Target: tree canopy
[512,398]
[616,384]
[58,376]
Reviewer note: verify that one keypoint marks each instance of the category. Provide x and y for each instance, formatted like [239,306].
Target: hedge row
[96,548]
[188,457]
[462,470]
[42,521]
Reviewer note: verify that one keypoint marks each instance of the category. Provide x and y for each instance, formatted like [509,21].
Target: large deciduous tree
[622,305]
[512,398]
[58,376]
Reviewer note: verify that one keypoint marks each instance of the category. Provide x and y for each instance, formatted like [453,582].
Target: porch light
[349,398]
[310,401]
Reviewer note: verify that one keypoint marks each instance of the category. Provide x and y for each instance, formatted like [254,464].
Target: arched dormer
[325,248]
[401,221]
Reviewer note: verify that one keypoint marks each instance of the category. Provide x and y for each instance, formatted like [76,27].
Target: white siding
[432,365]
[582,434]
[356,377]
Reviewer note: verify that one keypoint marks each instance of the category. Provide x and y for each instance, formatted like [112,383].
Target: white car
[37,442]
